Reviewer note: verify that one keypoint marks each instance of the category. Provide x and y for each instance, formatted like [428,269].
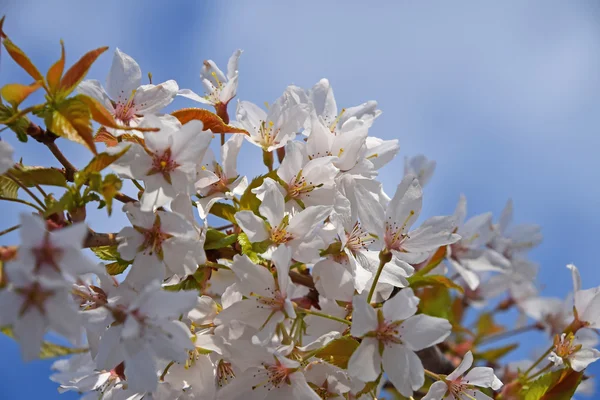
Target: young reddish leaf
[210,120]
[99,113]
[77,72]
[103,160]
[2,34]
[103,136]
[20,58]
[55,72]
[71,119]
[15,93]
[486,325]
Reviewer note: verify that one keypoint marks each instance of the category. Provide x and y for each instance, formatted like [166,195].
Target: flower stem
[541,371]
[433,375]
[22,202]
[539,360]
[319,314]
[8,230]
[138,185]
[384,257]
[506,334]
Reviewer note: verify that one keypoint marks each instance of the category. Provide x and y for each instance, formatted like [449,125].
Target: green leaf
[71,119]
[189,283]
[417,281]
[558,385]
[8,187]
[435,301]
[110,187]
[106,253]
[66,202]
[248,200]
[110,253]
[19,126]
[97,164]
[215,241]
[225,211]
[31,176]
[117,267]
[252,250]
[49,350]
[493,355]
[338,351]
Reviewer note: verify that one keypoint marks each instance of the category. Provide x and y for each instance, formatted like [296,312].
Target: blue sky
[504,95]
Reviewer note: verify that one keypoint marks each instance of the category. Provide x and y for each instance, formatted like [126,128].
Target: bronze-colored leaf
[56,70]
[15,93]
[102,161]
[417,281]
[210,120]
[20,58]
[77,72]
[103,136]
[71,119]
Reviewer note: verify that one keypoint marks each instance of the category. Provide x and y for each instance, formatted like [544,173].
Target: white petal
[29,331]
[405,207]
[365,362]
[110,349]
[305,222]
[401,306]
[124,77]
[282,257]
[252,225]
[421,331]
[403,368]
[141,372]
[465,364]
[192,96]
[252,278]
[480,376]
[433,233]
[584,357]
[437,391]
[364,317]
[94,89]
[272,206]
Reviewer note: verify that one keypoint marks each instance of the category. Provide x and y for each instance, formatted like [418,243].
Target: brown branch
[47,138]
[69,168]
[301,279]
[96,239]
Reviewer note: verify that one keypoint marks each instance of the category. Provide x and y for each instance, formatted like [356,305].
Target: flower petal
[365,362]
[252,225]
[124,77]
[422,331]
[364,317]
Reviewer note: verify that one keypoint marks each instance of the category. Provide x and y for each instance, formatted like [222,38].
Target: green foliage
[338,351]
[31,176]
[110,253]
[217,240]
[436,301]
[8,187]
[417,281]
[252,250]
[224,211]
[558,385]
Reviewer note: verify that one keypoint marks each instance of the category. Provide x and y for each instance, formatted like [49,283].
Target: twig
[220,228]
[301,279]
[8,230]
[22,202]
[96,239]
[69,168]
[25,188]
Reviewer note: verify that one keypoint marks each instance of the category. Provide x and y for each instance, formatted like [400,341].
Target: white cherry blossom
[125,97]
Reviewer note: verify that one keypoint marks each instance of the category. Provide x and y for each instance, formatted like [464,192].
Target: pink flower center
[163,163]
[125,110]
[358,239]
[395,234]
[153,238]
[277,375]
[46,254]
[35,296]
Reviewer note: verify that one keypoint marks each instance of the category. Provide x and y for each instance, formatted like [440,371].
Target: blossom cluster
[321,286]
